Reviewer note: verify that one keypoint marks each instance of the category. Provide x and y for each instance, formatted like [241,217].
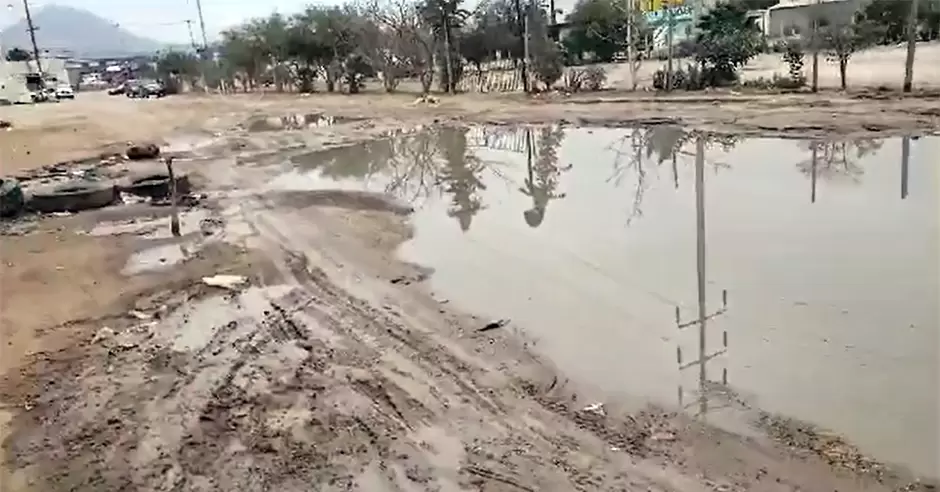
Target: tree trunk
[911,46]
[843,66]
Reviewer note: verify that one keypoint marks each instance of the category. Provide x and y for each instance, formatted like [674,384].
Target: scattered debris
[231,282]
[426,99]
[5,125]
[492,325]
[140,315]
[103,334]
[596,409]
[491,475]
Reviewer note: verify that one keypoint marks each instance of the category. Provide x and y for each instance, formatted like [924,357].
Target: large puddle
[587,239]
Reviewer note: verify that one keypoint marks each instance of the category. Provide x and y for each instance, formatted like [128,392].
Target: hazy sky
[163,19]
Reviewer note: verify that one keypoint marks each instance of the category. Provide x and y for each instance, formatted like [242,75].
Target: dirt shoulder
[95,123]
[334,363]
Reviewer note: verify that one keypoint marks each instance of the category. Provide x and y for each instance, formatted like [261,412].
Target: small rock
[142,151]
[494,325]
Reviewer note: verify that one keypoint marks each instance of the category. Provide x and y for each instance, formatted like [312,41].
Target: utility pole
[669,34]
[448,59]
[202,27]
[32,38]
[521,26]
[525,45]
[205,47]
[911,46]
[815,45]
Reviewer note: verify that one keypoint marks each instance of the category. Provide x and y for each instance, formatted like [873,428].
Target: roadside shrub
[355,70]
[594,78]
[573,80]
[548,66]
[692,78]
[776,82]
[685,49]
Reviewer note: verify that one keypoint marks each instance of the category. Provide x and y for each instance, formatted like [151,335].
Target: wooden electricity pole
[911,46]
[32,38]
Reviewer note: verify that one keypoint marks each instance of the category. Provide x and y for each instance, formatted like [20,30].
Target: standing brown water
[589,245]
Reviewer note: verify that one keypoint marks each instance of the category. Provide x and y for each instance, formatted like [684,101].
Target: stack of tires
[12,200]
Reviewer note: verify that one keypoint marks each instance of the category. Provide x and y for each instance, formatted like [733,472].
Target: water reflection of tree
[543,171]
[358,161]
[460,176]
[838,160]
[658,145]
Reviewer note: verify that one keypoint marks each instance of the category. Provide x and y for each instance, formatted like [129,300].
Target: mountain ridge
[77,32]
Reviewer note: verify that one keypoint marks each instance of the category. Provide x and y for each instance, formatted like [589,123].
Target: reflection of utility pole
[675,171]
[32,38]
[703,317]
[905,161]
[815,157]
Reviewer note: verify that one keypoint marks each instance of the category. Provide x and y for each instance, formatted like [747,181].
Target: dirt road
[333,363]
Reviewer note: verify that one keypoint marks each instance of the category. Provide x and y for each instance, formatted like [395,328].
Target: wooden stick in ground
[174,209]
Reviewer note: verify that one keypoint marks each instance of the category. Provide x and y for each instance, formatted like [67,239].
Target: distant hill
[77,32]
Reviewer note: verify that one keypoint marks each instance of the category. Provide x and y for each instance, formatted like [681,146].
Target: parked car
[117,90]
[150,88]
[42,95]
[64,91]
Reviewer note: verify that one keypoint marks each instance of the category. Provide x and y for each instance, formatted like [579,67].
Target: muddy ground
[334,364]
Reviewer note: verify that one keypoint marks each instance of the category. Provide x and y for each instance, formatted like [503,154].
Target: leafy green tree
[18,54]
[177,67]
[494,28]
[446,18]
[840,41]
[727,39]
[599,27]
[889,18]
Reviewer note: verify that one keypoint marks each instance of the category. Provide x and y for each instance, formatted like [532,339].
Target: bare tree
[634,37]
[407,35]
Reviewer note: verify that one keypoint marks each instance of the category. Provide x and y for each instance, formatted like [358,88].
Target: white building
[17,79]
[796,17]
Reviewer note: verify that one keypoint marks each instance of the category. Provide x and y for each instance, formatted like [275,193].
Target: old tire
[143,151]
[73,197]
[156,185]
[11,198]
